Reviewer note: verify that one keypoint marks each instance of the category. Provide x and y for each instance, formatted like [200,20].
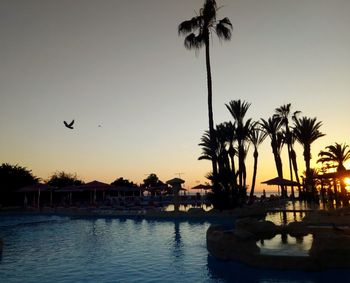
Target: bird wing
[70,125]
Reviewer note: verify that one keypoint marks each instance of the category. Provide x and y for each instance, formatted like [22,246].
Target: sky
[139,98]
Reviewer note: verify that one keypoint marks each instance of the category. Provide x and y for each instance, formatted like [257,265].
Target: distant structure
[70,125]
[176,186]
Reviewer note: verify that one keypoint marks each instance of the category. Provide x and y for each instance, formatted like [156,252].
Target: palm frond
[193,41]
[223,29]
[238,109]
[190,26]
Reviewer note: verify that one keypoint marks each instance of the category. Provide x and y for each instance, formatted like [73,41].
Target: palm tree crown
[306,131]
[337,153]
[198,28]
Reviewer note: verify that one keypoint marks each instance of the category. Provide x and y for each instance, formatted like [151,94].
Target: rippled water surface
[63,249]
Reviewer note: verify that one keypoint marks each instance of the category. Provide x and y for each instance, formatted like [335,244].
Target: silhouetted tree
[230,130]
[197,31]
[306,131]
[256,136]
[122,183]
[238,110]
[293,156]
[62,179]
[152,181]
[272,128]
[13,177]
[284,114]
[336,154]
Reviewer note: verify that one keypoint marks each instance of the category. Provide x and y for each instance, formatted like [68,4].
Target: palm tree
[272,129]
[256,136]
[284,113]
[293,156]
[306,131]
[226,177]
[197,31]
[238,110]
[230,131]
[338,154]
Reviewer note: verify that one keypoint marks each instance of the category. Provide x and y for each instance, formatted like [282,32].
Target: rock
[331,250]
[297,229]
[227,244]
[260,228]
[244,235]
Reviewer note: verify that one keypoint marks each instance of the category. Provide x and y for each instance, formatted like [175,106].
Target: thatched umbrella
[280,182]
[201,187]
[95,186]
[39,187]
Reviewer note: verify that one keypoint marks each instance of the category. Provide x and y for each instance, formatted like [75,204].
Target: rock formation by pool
[329,246]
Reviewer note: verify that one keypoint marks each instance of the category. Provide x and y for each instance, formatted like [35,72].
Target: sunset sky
[139,97]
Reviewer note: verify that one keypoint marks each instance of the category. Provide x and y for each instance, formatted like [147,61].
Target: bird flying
[70,125]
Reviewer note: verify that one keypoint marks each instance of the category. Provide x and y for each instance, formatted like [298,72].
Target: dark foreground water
[63,249]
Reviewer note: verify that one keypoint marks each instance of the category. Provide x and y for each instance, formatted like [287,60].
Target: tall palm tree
[306,131]
[284,113]
[238,110]
[197,31]
[256,136]
[336,154]
[272,129]
[293,156]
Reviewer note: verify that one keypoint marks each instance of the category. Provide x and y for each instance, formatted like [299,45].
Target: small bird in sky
[70,125]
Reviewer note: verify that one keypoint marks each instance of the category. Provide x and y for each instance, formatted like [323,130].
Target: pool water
[48,249]
[284,218]
[286,245]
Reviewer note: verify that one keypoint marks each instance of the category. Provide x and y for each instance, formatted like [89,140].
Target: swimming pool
[39,248]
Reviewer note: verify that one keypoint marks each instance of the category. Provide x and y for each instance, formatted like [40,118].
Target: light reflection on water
[183,207]
[286,245]
[283,218]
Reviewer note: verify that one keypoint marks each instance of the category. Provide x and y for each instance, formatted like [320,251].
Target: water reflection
[177,234]
[178,248]
[186,207]
[284,244]
[284,217]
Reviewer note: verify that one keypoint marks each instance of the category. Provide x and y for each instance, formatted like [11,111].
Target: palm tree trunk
[308,180]
[289,147]
[279,167]
[210,112]
[256,154]
[295,166]
[233,167]
[290,168]
[240,162]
